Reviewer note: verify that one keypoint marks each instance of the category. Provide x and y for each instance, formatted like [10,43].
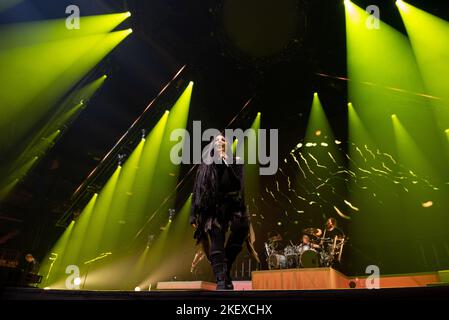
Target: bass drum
[310,259]
[277,261]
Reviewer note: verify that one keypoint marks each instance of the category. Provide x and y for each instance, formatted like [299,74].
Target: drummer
[306,244]
[332,230]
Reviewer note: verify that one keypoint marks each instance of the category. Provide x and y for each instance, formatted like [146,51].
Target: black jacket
[215,183]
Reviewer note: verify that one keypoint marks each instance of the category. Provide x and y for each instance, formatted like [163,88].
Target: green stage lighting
[394,159]
[178,235]
[234,146]
[319,149]
[251,169]
[168,171]
[381,85]
[52,266]
[428,35]
[46,137]
[409,153]
[32,33]
[401,5]
[73,251]
[318,123]
[129,197]
[30,90]
[358,133]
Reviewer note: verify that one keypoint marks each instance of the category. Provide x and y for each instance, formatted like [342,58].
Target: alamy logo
[261,147]
[373,280]
[373,20]
[73,20]
[73,280]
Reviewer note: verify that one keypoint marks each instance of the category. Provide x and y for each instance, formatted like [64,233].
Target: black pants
[224,254]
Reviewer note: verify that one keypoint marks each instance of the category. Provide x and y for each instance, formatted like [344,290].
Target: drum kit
[317,251]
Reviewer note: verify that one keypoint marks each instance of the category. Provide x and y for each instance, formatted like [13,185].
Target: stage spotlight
[128,14]
[171,214]
[77,281]
[137,289]
[105,76]
[150,240]
[402,5]
[347,2]
[121,158]
[394,116]
[130,30]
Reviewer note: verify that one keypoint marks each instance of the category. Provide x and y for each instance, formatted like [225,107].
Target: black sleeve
[242,189]
[193,208]
[240,175]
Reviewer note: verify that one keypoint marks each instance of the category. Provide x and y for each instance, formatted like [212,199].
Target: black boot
[228,282]
[231,254]
[220,275]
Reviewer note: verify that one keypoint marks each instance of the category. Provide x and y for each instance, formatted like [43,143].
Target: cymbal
[275,238]
[313,232]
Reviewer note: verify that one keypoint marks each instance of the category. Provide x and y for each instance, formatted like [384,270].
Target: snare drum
[303,247]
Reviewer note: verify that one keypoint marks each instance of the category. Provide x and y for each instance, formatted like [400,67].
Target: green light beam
[35,32]
[29,89]
[50,268]
[93,244]
[168,171]
[428,35]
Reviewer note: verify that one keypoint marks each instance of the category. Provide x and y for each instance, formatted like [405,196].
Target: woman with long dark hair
[218,205]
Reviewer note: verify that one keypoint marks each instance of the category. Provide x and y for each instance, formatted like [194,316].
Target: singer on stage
[218,205]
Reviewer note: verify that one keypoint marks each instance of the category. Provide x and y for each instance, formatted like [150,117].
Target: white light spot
[77,281]
[427,204]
